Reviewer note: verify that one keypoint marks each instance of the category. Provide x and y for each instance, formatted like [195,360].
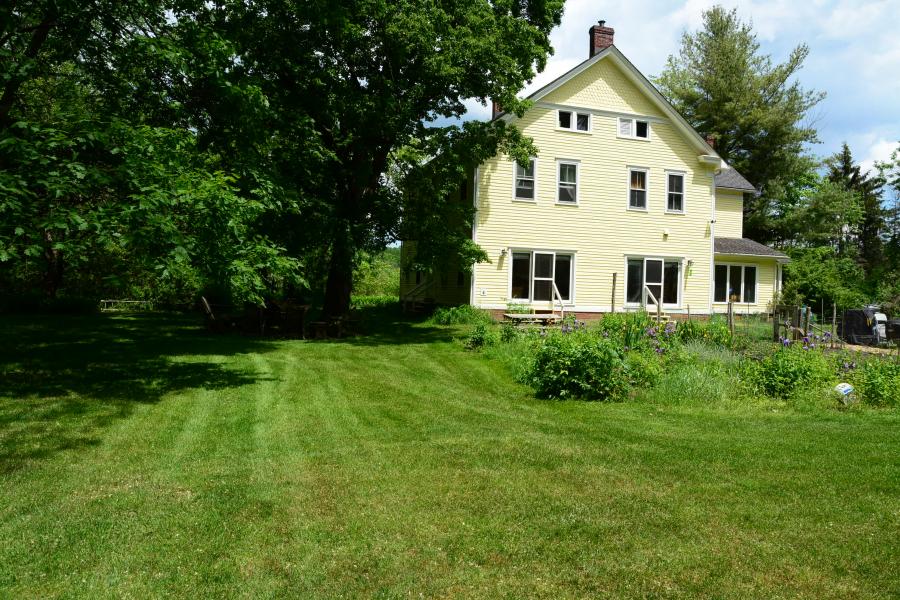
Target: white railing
[558,296]
[411,295]
[646,292]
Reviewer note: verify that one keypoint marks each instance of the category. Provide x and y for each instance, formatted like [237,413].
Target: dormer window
[634,128]
[574,121]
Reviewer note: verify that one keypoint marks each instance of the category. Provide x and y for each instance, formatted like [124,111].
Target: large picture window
[735,282]
[534,273]
[661,276]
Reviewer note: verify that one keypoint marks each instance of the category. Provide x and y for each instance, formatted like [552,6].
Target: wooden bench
[532,318]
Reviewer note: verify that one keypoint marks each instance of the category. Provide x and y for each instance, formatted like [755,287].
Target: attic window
[634,128]
[574,121]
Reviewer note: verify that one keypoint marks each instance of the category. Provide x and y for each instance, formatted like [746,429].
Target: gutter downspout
[712,243]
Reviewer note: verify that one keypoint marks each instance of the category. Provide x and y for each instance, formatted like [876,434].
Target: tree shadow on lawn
[64,379]
[389,326]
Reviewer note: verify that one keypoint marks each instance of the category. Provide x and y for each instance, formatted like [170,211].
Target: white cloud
[878,151]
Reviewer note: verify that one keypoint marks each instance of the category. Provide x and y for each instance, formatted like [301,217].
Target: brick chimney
[601,37]
[495,109]
[711,141]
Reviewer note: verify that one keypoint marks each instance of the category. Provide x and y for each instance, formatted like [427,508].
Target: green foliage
[579,365]
[821,275]
[627,329]
[756,111]
[713,331]
[786,372]
[877,382]
[378,274]
[360,301]
[481,335]
[463,314]
[644,368]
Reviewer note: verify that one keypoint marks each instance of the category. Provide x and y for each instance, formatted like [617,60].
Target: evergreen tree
[869,230]
[725,88]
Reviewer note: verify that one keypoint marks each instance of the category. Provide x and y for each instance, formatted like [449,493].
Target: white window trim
[577,163]
[515,176]
[681,268]
[633,135]
[735,264]
[530,300]
[683,192]
[574,121]
[646,172]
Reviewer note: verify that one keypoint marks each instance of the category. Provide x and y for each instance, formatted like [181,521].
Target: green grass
[140,457]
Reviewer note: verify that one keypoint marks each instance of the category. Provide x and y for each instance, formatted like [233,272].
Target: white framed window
[674,191]
[571,120]
[634,128]
[638,184]
[534,272]
[661,276]
[525,181]
[567,182]
[737,282]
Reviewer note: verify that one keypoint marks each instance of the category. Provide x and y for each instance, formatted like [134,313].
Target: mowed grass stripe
[400,464]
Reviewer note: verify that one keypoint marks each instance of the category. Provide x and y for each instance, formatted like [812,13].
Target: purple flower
[805,339]
[785,342]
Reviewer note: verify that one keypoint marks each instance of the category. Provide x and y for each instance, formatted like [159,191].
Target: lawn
[141,457]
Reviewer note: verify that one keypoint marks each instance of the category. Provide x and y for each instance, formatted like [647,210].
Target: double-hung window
[574,121]
[675,192]
[526,181]
[736,283]
[661,277]
[567,182]
[634,128]
[534,273]
[637,189]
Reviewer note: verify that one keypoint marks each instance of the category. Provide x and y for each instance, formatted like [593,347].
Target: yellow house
[624,206]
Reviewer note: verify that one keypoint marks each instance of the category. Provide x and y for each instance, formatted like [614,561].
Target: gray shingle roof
[745,247]
[731,179]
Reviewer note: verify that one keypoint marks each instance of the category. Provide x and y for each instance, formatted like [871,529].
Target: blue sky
[854,56]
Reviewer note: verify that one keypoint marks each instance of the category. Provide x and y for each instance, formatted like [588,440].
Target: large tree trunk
[340,274]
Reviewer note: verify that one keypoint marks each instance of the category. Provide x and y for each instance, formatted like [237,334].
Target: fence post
[730,317]
[775,326]
[833,323]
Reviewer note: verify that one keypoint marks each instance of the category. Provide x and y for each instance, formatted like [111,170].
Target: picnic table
[532,318]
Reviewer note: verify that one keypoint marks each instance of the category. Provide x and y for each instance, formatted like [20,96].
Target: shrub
[461,315]
[481,335]
[361,301]
[644,368]
[508,332]
[578,365]
[788,370]
[878,382]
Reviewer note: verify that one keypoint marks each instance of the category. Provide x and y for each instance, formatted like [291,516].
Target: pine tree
[870,230]
[725,88]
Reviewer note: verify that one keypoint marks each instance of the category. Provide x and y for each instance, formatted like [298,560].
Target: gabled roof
[637,78]
[732,180]
[745,247]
